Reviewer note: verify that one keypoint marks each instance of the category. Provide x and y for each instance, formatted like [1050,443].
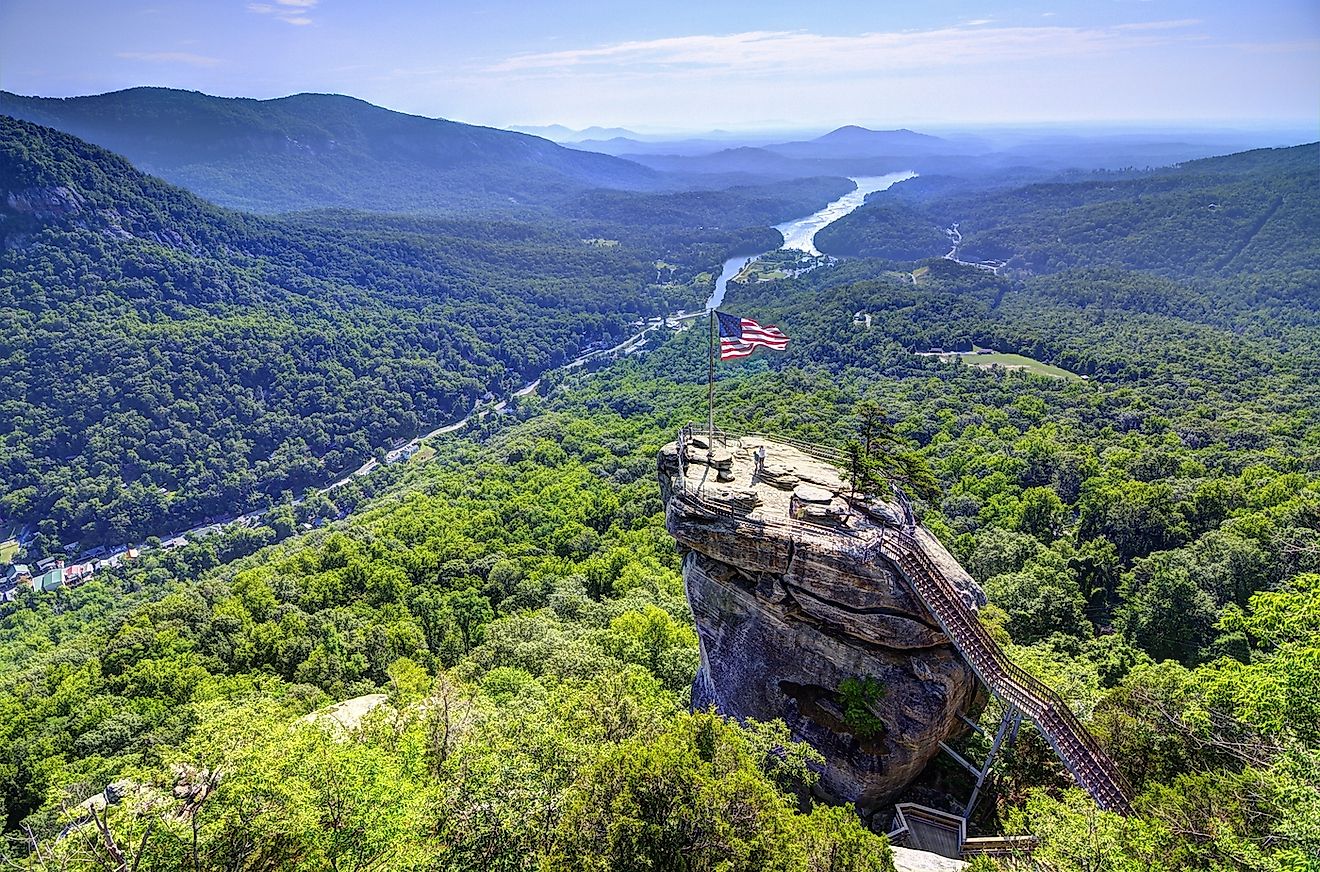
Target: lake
[800,233]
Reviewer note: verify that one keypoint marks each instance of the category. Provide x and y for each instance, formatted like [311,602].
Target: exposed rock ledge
[787,610]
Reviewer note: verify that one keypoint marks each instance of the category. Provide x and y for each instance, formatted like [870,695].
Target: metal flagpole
[710,384]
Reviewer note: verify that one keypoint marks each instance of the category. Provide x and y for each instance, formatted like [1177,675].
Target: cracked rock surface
[787,610]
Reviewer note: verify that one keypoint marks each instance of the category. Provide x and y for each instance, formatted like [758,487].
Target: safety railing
[853,544]
[1073,743]
[1080,753]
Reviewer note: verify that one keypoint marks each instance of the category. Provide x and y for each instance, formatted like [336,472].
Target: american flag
[740,336]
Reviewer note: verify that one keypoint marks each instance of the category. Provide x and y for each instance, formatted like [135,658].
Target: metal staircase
[1072,742]
[1076,748]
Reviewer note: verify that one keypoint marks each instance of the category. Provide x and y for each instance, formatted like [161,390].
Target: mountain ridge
[310,150]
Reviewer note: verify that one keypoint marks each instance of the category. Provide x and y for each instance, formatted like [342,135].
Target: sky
[700,64]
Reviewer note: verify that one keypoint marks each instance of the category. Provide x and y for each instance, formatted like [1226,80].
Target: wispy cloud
[1177,24]
[170,57]
[289,11]
[761,50]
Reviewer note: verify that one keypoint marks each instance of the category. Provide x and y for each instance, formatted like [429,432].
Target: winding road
[798,234]
[955,237]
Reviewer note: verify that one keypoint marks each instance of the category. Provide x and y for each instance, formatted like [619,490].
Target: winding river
[800,233]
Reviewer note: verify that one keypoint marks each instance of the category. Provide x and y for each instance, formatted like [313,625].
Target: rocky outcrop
[791,601]
[26,211]
[46,203]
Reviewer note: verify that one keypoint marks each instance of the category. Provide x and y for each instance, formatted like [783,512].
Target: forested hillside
[1221,216]
[1150,543]
[312,151]
[167,360]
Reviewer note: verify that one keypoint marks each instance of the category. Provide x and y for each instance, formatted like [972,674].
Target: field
[1011,361]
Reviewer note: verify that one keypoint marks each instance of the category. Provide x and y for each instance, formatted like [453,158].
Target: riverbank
[800,233]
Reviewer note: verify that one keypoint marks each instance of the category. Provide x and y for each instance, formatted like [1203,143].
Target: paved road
[955,237]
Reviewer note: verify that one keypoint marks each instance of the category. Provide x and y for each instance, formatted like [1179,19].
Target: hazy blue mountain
[325,150]
[745,159]
[562,134]
[854,141]
[555,132]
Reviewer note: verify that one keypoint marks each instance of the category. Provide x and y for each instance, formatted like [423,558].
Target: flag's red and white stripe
[753,335]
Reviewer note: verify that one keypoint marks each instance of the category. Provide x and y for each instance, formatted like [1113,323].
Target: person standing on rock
[759,456]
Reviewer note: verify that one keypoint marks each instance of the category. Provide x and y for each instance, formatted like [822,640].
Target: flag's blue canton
[730,326]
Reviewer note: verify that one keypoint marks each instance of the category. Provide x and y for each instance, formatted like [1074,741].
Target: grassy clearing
[1013,361]
[8,549]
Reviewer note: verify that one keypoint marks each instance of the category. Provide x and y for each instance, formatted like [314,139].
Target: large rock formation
[790,603]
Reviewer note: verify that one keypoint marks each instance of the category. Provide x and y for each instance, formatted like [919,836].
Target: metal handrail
[1066,734]
[820,452]
[1070,739]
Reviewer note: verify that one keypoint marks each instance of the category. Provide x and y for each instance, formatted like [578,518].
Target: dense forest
[167,361]
[1155,561]
[507,617]
[1223,216]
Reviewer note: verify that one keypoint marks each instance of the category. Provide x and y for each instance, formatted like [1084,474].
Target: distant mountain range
[560,133]
[324,150]
[317,151]
[852,150]
[853,141]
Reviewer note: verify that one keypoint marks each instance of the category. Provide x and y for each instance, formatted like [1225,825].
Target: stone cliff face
[23,212]
[788,610]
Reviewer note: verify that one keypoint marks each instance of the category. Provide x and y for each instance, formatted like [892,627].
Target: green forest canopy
[1149,541]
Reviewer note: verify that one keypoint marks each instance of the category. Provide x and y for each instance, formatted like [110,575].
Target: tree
[1040,513]
[1039,601]
[1164,611]
[879,456]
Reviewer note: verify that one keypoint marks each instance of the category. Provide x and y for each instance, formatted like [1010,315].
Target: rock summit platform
[801,589]
[792,597]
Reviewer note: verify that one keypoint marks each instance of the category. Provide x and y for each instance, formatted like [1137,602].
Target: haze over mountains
[325,150]
[315,151]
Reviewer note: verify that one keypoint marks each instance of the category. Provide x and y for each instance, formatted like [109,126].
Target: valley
[356,517]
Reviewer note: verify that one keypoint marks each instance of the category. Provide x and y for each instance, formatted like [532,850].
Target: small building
[49,580]
[402,453]
[17,572]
